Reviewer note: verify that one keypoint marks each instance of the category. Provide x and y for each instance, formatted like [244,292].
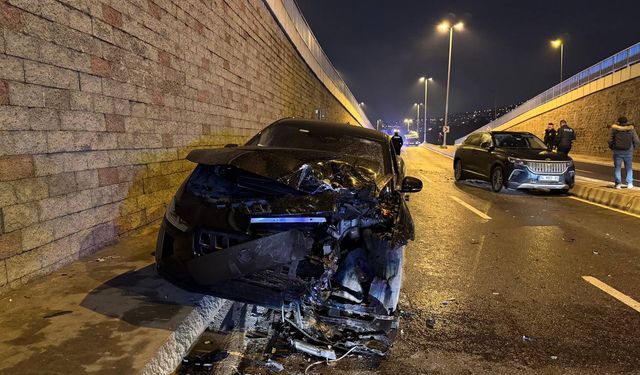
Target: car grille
[547,167]
[206,241]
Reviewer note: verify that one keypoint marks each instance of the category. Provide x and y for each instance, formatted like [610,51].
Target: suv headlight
[515,161]
[173,217]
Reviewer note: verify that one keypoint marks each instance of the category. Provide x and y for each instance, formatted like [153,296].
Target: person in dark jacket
[397,142]
[623,139]
[550,136]
[565,137]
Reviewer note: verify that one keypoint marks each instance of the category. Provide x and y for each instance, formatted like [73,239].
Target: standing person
[397,141]
[623,140]
[565,137]
[550,136]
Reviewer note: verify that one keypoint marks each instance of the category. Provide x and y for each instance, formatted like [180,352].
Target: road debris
[527,338]
[554,357]
[431,323]
[274,366]
[102,259]
[595,252]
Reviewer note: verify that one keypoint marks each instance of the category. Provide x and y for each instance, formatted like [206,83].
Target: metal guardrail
[605,67]
[303,28]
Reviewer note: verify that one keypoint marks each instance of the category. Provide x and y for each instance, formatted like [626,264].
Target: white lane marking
[607,207]
[470,208]
[440,152]
[592,180]
[583,171]
[613,292]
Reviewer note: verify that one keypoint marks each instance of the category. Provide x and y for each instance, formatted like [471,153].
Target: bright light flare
[458,26]
[444,26]
[556,43]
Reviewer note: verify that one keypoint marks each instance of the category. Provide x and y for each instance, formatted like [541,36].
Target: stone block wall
[591,116]
[101,100]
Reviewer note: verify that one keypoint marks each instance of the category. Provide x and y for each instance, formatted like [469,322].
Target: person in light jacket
[623,139]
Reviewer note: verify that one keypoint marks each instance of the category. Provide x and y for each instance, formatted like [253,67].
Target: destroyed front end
[318,235]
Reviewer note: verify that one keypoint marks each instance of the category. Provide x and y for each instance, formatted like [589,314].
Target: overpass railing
[303,28]
[605,67]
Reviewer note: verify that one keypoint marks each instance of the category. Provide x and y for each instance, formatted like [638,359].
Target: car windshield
[364,152]
[515,140]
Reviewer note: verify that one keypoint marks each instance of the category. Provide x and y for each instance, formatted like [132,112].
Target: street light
[417,114]
[408,121]
[443,27]
[558,43]
[426,80]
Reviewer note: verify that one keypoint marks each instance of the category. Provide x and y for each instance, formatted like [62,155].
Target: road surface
[510,283]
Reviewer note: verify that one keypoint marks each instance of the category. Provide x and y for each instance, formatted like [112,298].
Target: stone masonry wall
[591,117]
[101,100]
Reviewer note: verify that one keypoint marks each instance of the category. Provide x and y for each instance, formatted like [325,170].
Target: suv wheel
[497,179]
[458,173]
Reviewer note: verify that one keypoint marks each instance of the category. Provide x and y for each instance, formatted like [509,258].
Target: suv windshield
[364,152]
[515,140]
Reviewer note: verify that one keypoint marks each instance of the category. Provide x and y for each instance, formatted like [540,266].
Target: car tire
[497,179]
[458,172]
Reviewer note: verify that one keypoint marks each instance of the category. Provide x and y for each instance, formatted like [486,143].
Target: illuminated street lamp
[444,27]
[426,81]
[408,121]
[558,43]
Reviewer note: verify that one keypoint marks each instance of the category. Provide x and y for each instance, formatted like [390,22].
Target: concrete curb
[177,345]
[607,196]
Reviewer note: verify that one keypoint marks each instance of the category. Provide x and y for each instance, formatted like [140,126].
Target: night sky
[503,56]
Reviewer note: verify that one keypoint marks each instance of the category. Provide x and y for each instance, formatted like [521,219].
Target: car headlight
[173,217]
[515,161]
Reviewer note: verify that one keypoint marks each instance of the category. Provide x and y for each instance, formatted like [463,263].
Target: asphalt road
[495,284]
[605,172]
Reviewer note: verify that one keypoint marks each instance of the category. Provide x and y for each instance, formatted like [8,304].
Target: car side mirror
[228,145]
[411,185]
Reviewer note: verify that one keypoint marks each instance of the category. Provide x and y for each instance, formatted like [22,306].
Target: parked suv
[516,160]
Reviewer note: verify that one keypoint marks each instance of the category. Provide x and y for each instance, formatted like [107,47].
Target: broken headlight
[173,217]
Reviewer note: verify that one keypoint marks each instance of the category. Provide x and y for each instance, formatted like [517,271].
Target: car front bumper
[523,178]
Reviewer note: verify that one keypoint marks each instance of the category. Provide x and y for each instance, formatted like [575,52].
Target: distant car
[412,138]
[515,160]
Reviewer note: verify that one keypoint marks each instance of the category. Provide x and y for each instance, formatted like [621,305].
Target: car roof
[508,132]
[333,127]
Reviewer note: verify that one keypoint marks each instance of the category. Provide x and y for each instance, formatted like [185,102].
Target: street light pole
[447,26]
[426,81]
[417,115]
[558,43]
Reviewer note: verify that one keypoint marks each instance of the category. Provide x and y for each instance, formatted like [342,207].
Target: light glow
[444,26]
[556,43]
[458,26]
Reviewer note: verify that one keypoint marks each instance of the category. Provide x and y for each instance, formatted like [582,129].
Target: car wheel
[458,173]
[497,179]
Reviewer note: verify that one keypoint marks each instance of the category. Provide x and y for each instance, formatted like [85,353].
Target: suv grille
[547,167]
[206,242]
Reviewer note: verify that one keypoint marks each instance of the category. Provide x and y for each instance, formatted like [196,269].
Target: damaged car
[309,217]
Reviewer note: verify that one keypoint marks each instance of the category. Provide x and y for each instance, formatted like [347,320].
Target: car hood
[306,170]
[536,154]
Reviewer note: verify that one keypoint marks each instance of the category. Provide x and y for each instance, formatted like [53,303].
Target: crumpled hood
[310,171]
[536,154]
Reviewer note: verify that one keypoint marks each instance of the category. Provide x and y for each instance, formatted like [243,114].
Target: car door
[483,155]
[469,154]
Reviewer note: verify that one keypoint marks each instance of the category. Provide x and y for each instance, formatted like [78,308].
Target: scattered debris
[569,239]
[495,293]
[313,349]
[527,338]
[274,366]
[102,259]
[431,323]
[474,241]
[554,357]
[595,252]
[202,362]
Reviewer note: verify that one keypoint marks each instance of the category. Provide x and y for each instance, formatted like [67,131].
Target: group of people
[562,139]
[623,140]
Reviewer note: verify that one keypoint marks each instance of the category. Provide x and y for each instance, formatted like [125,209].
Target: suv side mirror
[228,145]
[411,185]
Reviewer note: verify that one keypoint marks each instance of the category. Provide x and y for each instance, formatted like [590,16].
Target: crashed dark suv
[310,215]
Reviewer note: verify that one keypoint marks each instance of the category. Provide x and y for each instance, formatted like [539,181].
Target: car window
[473,140]
[485,139]
[518,140]
[366,152]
